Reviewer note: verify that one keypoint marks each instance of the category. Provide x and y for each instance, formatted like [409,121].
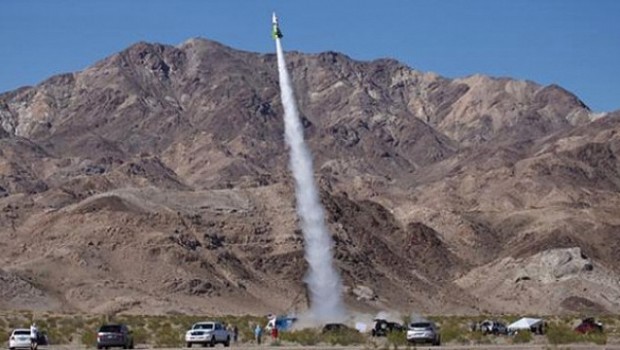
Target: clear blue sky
[575,44]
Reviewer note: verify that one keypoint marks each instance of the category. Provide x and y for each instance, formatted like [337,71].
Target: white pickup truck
[207,333]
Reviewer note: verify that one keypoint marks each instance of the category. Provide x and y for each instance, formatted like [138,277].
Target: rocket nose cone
[274,19]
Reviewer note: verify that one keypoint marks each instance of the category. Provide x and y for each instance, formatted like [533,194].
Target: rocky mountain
[156,181]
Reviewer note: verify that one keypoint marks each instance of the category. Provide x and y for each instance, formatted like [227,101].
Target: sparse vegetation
[167,336]
[450,329]
[561,333]
[522,337]
[344,337]
[397,339]
[305,337]
[89,337]
[4,337]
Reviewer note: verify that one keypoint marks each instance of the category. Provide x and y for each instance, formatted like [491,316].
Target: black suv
[383,327]
[110,335]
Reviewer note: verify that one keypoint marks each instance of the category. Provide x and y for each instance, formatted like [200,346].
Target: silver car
[423,332]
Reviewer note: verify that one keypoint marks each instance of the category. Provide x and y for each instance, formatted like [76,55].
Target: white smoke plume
[322,278]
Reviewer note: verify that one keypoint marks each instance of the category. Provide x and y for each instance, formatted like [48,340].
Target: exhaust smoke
[323,280]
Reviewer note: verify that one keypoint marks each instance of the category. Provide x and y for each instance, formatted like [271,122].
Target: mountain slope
[157,180]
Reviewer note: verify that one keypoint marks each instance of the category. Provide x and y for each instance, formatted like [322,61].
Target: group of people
[233,331]
[258,333]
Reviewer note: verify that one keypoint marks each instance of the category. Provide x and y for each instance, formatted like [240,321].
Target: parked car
[42,338]
[493,327]
[20,338]
[383,327]
[207,333]
[423,332]
[589,325]
[114,335]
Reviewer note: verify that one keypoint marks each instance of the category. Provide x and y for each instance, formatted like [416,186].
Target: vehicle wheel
[189,345]
[227,342]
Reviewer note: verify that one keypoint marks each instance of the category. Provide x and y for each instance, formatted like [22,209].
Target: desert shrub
[598,338]
[522,337]
[136,324]
[140,336]
[305,337]
[479,338]
[462,339]
[27,316]
[42,324]
[16,322]
[560,333]
[4,335]
[55,336]
[476,337]
[88,337]
[70,322]
[397,338]
[91,322]
[608,320]
[450,331]
[344,337]
[168,337]
[184,322]
[154,324]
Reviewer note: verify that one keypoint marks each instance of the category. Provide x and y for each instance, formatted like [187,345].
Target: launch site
[440,175]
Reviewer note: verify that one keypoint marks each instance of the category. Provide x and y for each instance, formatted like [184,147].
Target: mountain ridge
[158,178]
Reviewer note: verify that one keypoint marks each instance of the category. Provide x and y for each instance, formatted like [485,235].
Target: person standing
[235,333]
[34,334]
[258,334]
[274,333]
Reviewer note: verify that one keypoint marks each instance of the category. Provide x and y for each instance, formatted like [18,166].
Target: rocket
[275,29]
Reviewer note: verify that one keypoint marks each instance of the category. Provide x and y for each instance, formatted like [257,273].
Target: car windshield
[22,332]
[203,326]
[110,329]
[421,325]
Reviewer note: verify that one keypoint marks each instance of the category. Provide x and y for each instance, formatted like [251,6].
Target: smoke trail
[322,278]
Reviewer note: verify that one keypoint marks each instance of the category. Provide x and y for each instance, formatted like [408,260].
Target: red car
[589,325]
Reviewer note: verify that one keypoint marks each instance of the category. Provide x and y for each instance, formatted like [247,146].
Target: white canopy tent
[525,323]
